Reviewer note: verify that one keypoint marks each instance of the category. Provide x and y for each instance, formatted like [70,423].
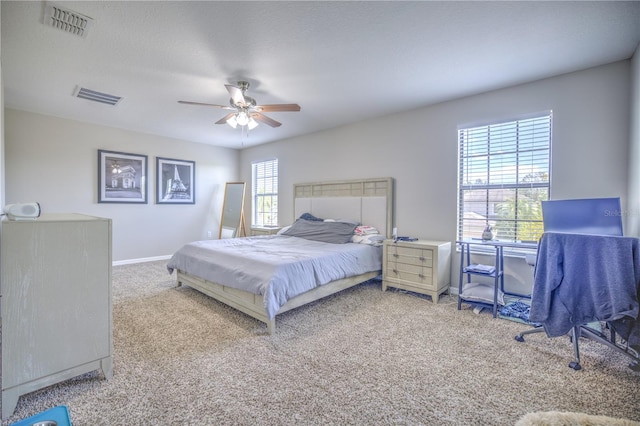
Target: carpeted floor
[359,357]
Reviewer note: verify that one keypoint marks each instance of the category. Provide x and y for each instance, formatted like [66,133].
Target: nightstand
[421,266]
[264,230]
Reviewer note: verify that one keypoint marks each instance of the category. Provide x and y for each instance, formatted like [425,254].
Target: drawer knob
[422,258]
[421,276]
[395,254]
[395,271]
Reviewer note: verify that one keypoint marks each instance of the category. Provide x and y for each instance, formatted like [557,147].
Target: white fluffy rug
[557,418]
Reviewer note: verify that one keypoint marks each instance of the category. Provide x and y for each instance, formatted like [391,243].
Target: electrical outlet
[209,234]
[395,233]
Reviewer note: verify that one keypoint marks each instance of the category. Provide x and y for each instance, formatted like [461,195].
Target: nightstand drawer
[413,273]
[422,258]
[411,252]
[410,255]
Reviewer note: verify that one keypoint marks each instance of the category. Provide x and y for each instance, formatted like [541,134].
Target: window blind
[265,193]
[503,176]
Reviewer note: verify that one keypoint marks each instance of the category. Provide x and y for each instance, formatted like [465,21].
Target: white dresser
[422,266]
[56,302]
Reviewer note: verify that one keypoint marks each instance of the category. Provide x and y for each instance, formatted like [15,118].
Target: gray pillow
[328,232]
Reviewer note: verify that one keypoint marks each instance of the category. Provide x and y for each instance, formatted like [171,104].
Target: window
[503,177]
[265,193]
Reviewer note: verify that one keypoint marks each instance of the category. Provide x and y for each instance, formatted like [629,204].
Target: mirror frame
[233,209]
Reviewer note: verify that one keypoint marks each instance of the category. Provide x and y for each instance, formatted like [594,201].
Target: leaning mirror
[232,221]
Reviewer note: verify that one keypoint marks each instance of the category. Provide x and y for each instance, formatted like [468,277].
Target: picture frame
[175,181]
[122,177]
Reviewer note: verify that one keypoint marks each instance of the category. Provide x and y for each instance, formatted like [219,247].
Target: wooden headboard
[369,201]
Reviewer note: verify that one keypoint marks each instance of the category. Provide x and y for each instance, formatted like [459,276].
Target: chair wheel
[575,365]
[519,338]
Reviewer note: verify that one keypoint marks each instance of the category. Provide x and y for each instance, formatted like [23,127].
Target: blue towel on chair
[584,278]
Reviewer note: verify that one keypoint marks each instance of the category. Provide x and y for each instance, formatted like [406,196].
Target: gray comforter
[278,267]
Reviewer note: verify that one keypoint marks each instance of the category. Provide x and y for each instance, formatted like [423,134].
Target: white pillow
[483,293]
[371,239]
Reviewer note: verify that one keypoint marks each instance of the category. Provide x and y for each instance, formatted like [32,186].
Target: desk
[497,275]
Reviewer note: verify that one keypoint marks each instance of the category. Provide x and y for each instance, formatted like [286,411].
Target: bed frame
[370,201]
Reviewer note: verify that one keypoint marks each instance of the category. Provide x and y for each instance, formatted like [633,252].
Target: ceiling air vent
[66,20]
[92,95]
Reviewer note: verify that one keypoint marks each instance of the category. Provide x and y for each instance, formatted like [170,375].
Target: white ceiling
[342,62]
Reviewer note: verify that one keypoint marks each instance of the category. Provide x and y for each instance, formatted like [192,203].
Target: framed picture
[122,177]
[176,182]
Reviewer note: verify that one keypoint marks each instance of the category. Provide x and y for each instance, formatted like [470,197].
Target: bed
[264,276]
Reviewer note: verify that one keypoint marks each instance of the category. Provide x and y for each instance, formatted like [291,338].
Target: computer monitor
[596,216]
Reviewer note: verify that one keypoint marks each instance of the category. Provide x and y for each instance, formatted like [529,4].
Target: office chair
[580,223]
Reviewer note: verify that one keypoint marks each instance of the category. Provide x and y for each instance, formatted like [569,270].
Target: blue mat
[59,414]
[518,311]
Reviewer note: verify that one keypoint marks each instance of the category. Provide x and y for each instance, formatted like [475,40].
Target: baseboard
[141,260]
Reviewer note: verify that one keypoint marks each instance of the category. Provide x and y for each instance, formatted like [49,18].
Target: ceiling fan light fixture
[252,123]
[232,121]
[242,118]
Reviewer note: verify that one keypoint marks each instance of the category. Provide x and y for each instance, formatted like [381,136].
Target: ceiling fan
[245,111]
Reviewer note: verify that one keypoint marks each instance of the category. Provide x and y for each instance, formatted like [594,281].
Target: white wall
[55,162]
[419,149]
[633,207]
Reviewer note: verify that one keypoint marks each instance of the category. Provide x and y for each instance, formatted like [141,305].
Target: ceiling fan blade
[236,95]
[224,119]
[266,120]
[277,107]
[209,105]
